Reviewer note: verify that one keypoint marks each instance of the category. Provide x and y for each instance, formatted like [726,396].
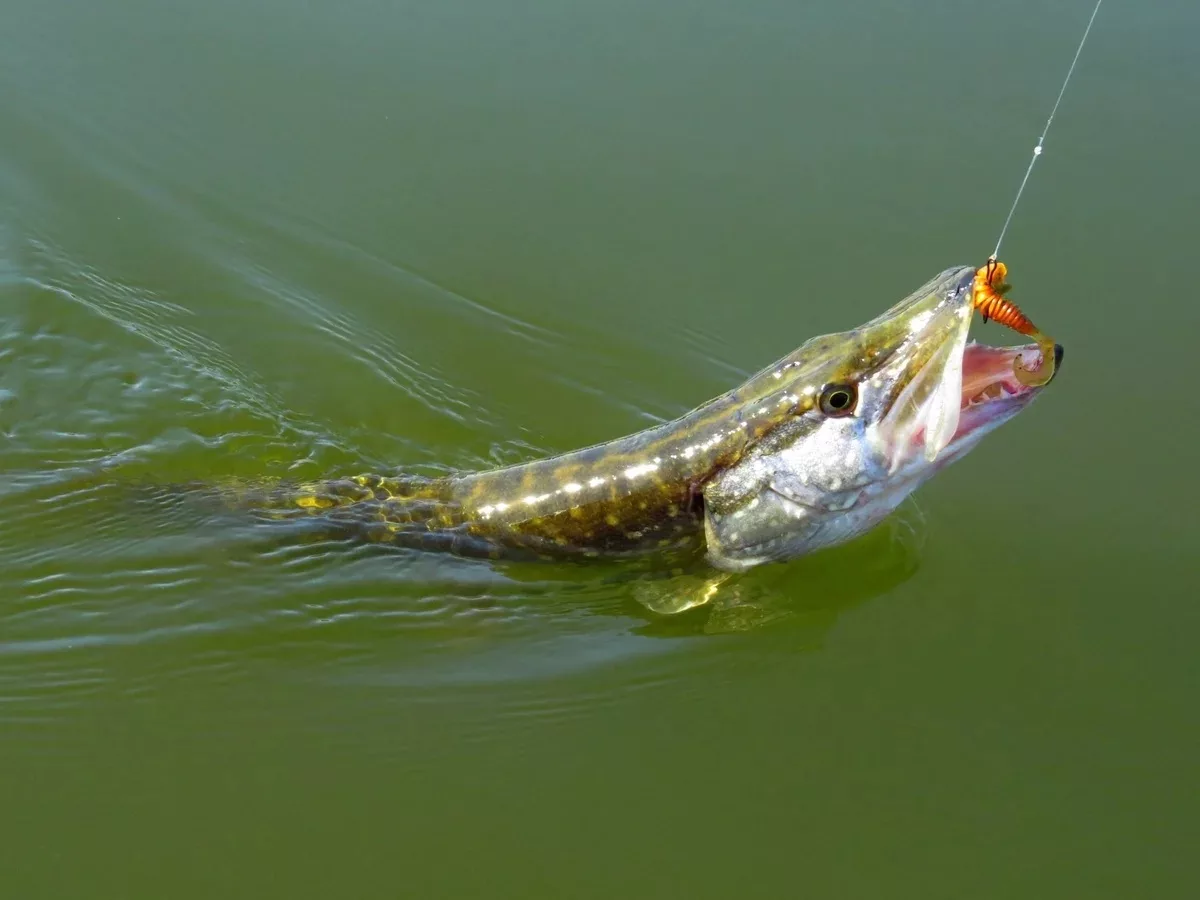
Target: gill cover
[928,405]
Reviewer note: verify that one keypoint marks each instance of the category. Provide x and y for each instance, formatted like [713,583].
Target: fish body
[624,497]
[807,453]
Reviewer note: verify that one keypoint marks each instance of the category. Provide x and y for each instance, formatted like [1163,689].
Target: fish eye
[839,399]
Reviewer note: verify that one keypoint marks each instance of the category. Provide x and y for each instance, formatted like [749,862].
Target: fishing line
[1037,150]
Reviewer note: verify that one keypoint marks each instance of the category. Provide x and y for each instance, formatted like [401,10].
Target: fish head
[858,420]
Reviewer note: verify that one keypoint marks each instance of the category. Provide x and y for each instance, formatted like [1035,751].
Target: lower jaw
[979,419]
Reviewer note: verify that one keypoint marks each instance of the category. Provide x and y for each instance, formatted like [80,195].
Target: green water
[304,239]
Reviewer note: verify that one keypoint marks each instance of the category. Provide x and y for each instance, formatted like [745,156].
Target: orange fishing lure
[988,297]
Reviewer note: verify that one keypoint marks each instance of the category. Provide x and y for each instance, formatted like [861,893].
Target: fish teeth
[995,391]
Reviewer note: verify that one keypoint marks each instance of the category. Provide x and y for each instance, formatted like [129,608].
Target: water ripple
[379,353]
[113,388]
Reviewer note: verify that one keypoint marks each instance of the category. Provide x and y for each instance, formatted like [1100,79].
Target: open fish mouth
[969,390]
[991,393]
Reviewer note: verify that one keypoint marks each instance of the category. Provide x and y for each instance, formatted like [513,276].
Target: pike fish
[810,452]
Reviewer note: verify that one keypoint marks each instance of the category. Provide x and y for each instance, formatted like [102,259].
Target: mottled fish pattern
[624,497]
[638,493]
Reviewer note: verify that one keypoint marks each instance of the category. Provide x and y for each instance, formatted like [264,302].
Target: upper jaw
[948,290]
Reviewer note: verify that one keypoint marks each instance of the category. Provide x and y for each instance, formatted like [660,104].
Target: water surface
[299,240]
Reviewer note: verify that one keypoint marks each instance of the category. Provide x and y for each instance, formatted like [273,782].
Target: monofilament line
[1037,150]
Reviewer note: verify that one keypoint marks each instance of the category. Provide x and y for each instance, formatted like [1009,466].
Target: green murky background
[298,239]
